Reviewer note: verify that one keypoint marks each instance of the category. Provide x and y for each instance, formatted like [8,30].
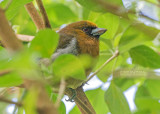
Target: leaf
[136,35]
[68,65]
[24,23]
[145,57]
[110,22]
[110,67]
[75,110]
[14,7]
[62,14]
[147,103]
[91,5]
[97,100]
[10,80]
[45,42]
[153,88]
[30,101]
[116,101]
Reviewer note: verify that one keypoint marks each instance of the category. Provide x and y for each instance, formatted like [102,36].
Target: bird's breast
[90,47]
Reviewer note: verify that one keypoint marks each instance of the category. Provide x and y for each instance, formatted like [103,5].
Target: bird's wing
[67,45]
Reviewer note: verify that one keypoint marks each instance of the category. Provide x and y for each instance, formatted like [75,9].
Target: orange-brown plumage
[86,44]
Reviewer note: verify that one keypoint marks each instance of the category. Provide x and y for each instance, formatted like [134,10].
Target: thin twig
[43,13]
[61,92]
[8,4]
[3,72]
[101,67]
[10,102]
[25,38]
[117,10]
[35,16]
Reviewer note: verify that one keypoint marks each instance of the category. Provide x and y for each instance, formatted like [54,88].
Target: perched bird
[79,38]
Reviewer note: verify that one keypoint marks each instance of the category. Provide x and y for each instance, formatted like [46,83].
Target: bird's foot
[73,95]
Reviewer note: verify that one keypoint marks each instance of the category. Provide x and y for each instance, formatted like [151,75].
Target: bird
[79,38]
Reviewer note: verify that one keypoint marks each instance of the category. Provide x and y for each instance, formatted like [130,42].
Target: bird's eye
[85,29]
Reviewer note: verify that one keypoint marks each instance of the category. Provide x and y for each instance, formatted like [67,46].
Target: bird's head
[83,29]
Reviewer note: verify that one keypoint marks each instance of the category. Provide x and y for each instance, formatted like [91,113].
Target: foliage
[131,30]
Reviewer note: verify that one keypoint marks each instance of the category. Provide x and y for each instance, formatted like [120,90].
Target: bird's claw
[73,96]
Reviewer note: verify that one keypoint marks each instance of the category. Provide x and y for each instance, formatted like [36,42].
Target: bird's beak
[98,31]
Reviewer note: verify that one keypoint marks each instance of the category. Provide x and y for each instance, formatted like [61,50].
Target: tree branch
[61,92]
[81,101]
[8,37]
[10,102]
[25,38]
[3,72]
[43,13]
[35,16]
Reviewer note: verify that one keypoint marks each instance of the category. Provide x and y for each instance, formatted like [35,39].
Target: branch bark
[3,72]
[35,16]
[10,102]
[81,101]
[7,35]
[25,38]
[43,13]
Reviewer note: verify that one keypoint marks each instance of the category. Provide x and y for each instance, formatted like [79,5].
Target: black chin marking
[97,36]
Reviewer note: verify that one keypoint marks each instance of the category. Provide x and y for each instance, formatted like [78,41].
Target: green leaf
[14,7]
[134,36]
[45,42]
[109,68]
[75,110]
[145,56]
[110,22]
[10,80]
[24,23]
[30,101]
[55,10]
[153,88]
[97,100]
[91,5]
[116,101]
[68,66]
[124,83]
[147,103]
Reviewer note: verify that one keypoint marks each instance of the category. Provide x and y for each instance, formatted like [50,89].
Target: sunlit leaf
[45,42]
[60,14]
[134,36]
[14,7]
[108,21]
[68,66]
[145,56]
[30,101]
[10,80]
[97,100]
[116,101]
[145,103]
